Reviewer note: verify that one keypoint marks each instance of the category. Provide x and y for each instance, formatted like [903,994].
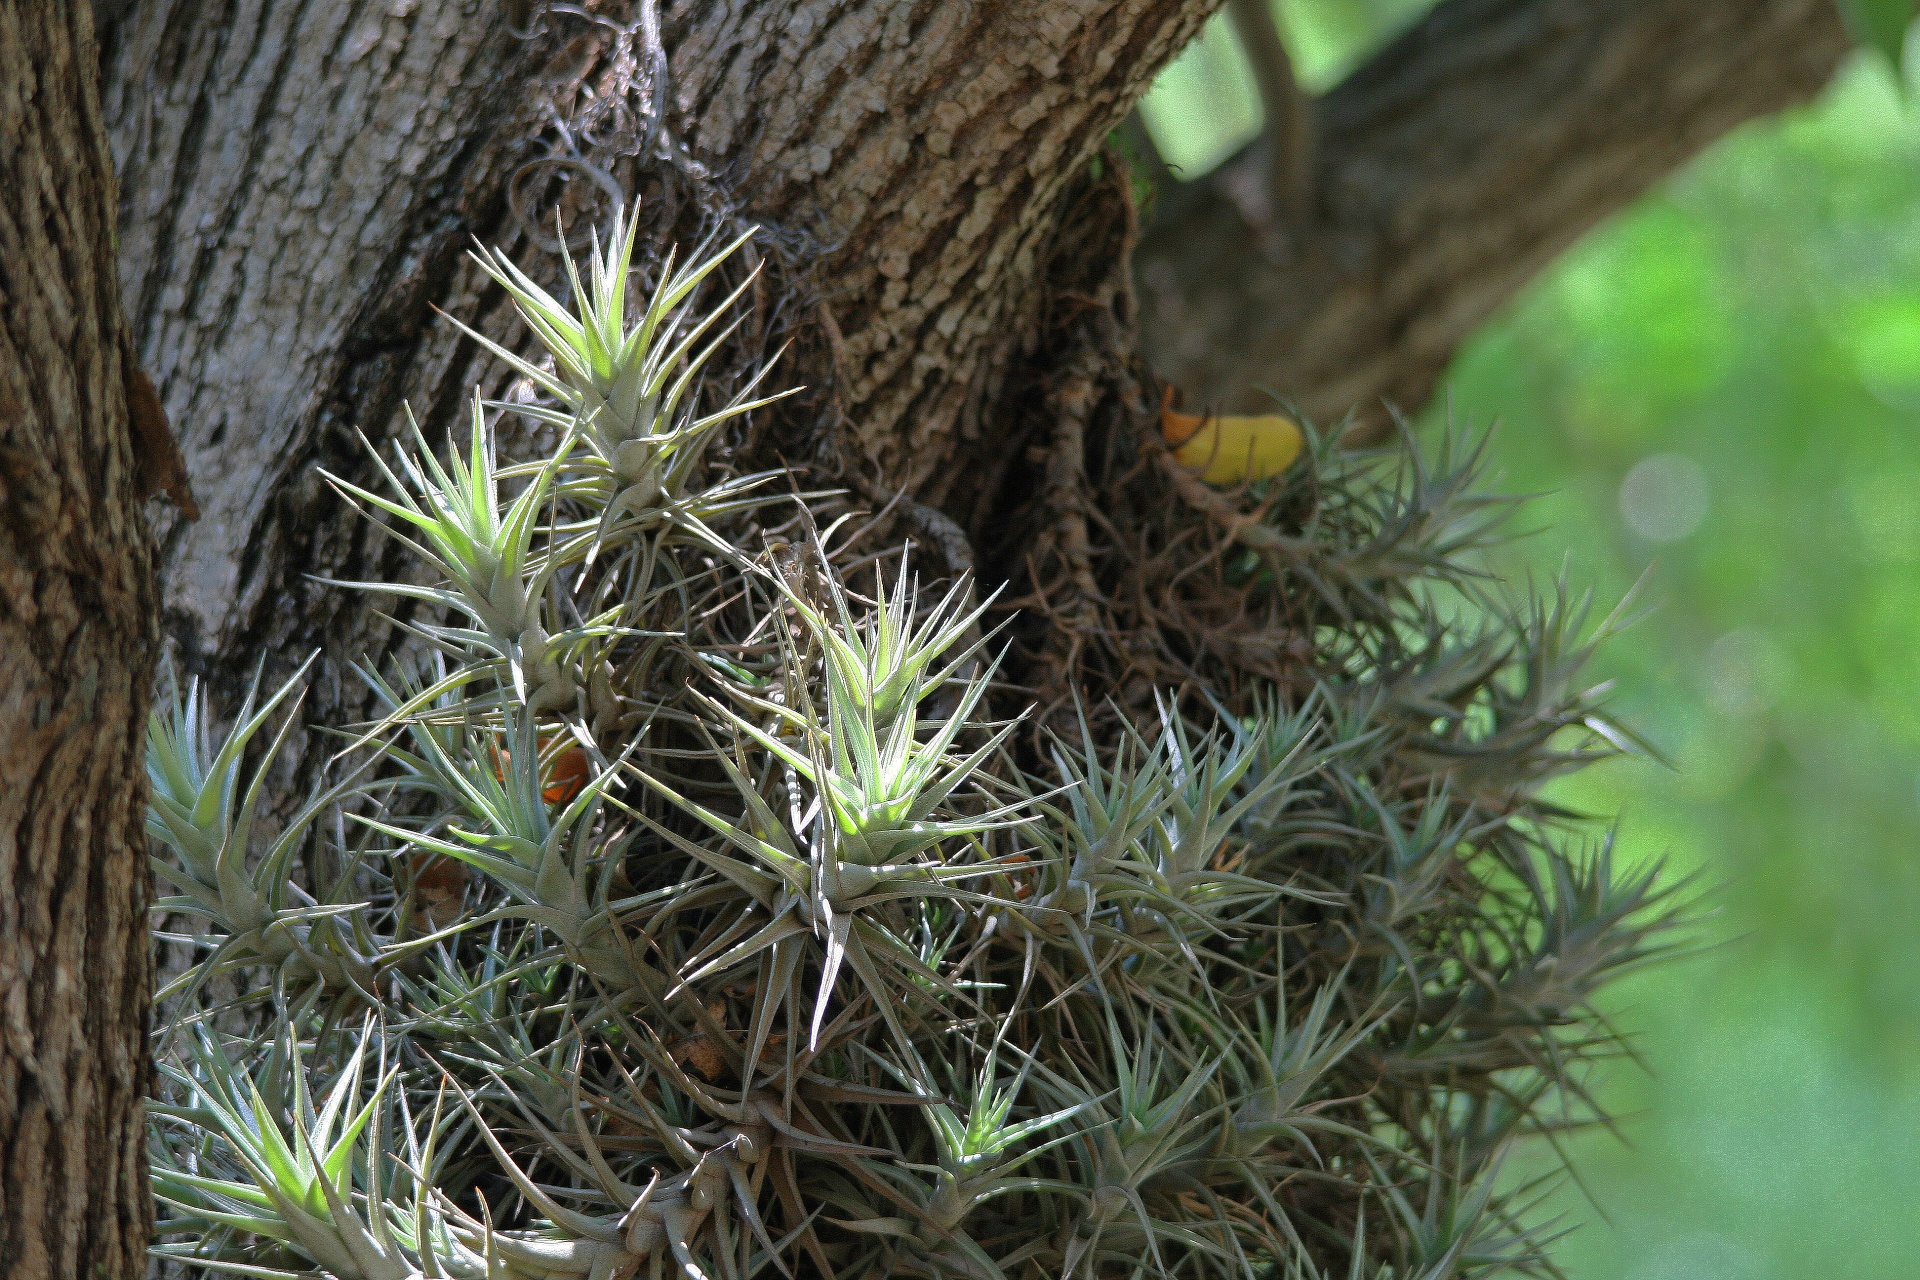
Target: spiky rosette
[699,908]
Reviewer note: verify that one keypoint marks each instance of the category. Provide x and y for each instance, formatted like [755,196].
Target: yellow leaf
[1232,449]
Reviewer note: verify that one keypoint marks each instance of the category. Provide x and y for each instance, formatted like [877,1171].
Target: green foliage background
[1754,328]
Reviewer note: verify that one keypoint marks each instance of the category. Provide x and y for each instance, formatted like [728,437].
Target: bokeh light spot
[1664,497]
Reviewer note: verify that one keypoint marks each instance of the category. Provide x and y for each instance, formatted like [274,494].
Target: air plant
[702,904]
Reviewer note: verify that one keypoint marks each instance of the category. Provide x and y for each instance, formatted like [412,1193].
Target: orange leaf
[1177,428]
[564,777]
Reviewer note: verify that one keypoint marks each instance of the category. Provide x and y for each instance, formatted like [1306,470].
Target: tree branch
[1452,168]
[1287,107]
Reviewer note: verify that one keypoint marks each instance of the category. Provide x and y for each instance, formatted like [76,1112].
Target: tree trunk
[78,610]
[943,249]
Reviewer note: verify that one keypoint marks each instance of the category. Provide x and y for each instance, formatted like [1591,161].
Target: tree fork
[1449,169]
[300,181]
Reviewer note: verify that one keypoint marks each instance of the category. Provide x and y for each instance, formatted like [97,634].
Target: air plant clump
[697,908]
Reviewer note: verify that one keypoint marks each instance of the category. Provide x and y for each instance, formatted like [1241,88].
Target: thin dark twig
[659,75]
[1288,108]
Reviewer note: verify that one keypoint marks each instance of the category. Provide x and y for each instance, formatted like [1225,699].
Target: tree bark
[300,182]
[78,609]
[1450,169]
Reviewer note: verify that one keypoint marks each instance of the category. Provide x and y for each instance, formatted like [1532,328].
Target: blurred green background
[1720,388]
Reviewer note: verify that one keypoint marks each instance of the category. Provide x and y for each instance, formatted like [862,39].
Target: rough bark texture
[1450,169]
[77,637]
[297,181]
[301,179]
[930,146]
